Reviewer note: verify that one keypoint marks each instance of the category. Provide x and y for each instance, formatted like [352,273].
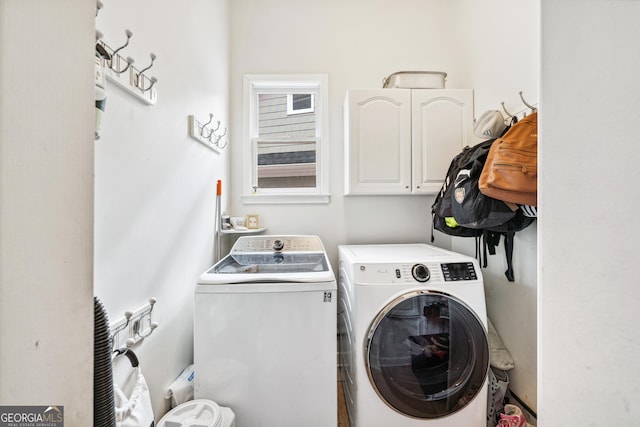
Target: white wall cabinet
[401,141]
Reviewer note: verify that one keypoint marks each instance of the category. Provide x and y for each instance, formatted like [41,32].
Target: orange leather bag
[510,173]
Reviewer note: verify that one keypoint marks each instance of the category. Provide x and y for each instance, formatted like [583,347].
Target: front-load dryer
[413,340]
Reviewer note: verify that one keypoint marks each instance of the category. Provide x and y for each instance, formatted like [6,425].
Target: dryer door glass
[427,354]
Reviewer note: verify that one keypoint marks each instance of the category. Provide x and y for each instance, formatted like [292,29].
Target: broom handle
[217,227]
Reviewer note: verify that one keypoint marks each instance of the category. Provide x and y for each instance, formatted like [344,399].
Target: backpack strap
[508,249]
[491,240]
[433,220]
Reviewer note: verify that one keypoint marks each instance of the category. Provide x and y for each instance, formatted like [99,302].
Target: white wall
[589,351]
[46,206]
[155,186]
[359,42]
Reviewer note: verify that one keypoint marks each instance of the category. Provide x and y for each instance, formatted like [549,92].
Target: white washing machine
[265,333]
[413,336]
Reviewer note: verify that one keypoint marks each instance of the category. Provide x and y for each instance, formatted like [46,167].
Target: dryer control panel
[419,272]
[454,271]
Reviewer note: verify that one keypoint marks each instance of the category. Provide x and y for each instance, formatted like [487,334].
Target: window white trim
[316,84]
[291,110]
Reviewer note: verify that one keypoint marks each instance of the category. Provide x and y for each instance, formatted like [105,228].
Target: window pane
[301,101]
[273,120]
[290,164]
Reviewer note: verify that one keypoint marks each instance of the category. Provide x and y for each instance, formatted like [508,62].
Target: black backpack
[469,206]
[442,210]
[471,214]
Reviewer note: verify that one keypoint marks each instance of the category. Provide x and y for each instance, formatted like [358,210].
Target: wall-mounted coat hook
[203,126]
[212,131]
[129,62]
[200,132]
[153,81]
[114,66]
[139,77]
[153,58]
[533,108]
[119,327]
[134,327]
[129,34]
[116,59]
[99,6]
[505,110]
[101,51]
[218,137]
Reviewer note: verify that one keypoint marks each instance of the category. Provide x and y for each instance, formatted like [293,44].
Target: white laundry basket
[199,412]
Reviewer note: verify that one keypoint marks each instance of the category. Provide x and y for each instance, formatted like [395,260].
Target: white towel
[181,389]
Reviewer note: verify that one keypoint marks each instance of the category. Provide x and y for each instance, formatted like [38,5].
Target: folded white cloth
[498,352]
[181,389]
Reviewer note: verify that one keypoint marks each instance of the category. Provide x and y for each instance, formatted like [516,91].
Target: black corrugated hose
[104,414]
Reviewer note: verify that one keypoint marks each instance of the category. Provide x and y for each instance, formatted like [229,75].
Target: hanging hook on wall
[219,137]
[119,328]
[153,58]
[117,58]
[533,108]
[140,77]
[505,110]
[204,126]
[134,327]
[101,51]
[99,6]
[153,81]
[129,62]
[205,134]
[129,34]
[134,82]
[212,132]
[137,332]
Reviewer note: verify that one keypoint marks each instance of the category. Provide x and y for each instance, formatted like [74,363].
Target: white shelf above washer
[246,231]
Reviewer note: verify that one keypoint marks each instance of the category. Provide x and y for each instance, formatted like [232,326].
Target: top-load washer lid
[272,259]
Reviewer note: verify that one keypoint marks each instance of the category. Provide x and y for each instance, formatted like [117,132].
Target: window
[299,103]
[286,151]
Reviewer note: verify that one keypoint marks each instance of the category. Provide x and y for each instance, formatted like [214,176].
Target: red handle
[219,188]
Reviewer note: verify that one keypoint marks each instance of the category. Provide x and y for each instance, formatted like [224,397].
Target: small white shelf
[247,231]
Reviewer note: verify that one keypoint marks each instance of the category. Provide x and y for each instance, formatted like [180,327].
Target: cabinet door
[378,141]
[442,126]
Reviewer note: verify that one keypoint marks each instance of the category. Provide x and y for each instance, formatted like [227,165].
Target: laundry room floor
[343,418]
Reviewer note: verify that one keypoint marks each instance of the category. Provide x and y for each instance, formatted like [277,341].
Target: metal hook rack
[203,133]
[124,74]
[134,326]
[522,112]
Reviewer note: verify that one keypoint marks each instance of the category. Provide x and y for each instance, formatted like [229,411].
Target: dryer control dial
[420,272]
